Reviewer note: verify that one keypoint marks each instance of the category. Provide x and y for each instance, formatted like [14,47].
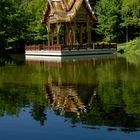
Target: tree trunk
[127,35]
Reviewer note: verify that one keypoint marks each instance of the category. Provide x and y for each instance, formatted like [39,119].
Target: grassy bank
[132,46]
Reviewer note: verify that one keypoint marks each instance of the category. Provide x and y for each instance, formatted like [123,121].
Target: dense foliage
[20,21]
[118,18]
[108,19]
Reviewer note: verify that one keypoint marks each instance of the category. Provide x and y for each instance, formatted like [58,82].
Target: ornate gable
[68,4]
[58,11]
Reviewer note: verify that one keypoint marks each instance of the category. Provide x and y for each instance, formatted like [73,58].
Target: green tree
[6,10]
[130,15]
[14,20]
[108,15]
[131,12]
[38,32]
[20,22]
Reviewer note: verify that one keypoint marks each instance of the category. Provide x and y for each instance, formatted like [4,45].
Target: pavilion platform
[70,50]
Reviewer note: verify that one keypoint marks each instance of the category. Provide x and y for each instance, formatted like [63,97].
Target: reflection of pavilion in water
[81,90]
[71,85]
[68,99]
[97,59]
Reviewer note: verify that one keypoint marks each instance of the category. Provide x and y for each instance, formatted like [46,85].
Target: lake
[81,98]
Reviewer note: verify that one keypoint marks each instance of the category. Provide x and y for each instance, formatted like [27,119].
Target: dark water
[80,99]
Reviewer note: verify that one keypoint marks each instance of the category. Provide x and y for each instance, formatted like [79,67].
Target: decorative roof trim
[68,15]
[89,6]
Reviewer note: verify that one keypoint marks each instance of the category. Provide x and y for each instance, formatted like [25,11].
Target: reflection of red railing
[48,63]
[70,47]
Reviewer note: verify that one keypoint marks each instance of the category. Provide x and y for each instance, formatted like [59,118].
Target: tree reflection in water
[66,101]
[4,57]
[94,92]
[110,99]
[15,97]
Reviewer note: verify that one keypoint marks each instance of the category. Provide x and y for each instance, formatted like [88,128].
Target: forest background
[20,21]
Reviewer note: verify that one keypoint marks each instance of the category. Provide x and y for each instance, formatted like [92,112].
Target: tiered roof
[65,10]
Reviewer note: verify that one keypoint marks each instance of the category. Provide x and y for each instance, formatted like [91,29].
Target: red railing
[70,47]
[105,46]
[53,48]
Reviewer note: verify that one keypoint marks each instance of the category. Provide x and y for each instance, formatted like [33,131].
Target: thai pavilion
[70,18]
[69,24]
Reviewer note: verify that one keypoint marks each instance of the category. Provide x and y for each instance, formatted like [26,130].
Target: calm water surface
[80,99]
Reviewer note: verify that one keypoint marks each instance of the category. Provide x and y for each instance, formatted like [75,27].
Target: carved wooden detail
[74,16]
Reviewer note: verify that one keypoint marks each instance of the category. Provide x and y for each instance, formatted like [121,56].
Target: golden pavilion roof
[57,11]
